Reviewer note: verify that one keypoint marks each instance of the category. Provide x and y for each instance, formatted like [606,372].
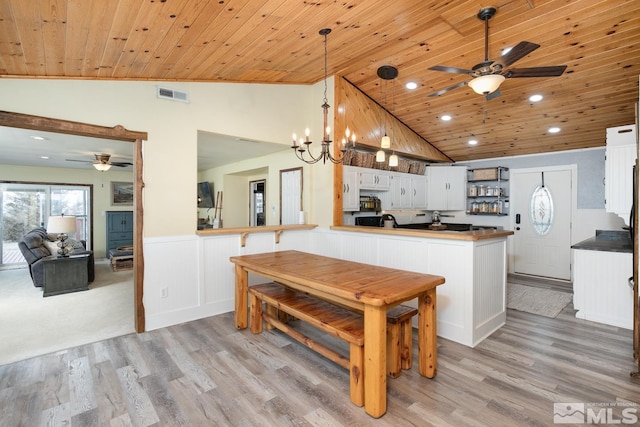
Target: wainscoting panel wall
[199,280]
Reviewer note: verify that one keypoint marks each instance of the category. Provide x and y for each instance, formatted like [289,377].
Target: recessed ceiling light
[472,142]
[44,157]
[38,138]
[535,98]
[445,117]
[554,129]
[411,85]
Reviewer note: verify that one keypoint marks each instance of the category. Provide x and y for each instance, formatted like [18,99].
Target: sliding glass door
[27,206]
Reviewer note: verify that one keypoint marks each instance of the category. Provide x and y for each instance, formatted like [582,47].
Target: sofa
[37,244]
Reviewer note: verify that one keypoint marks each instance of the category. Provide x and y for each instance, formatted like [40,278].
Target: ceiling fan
[102,162]
[488,75]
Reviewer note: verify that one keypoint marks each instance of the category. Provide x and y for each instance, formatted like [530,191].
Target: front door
[542,203]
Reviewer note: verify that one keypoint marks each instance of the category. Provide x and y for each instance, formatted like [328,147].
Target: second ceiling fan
[488,75]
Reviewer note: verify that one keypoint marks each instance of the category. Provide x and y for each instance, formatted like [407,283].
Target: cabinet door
[384,181]
[120,222]
[446,188]
[397,192]
[456,192]
[619,179]
[350,189]
[419,192]
[437,188]
[372,180]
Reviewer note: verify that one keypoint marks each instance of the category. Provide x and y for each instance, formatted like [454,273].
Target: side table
[65,274]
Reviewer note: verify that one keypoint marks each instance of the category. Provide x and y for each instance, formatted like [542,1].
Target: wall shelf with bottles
[488,191]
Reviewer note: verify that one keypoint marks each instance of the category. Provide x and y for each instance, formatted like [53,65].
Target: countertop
[607,241]
[431,234]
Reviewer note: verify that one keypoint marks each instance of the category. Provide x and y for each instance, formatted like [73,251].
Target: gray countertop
[608,241]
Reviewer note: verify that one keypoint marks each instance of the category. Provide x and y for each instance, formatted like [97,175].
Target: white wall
[253,111]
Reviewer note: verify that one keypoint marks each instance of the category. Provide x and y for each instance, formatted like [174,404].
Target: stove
[376,221]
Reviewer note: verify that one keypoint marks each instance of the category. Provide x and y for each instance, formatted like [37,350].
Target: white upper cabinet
[621,153]
[400,191]
[419,192]
[375,180]
[446,188]
[408,191]
[350,189]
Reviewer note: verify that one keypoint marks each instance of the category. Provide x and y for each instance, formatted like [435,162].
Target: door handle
[517,218]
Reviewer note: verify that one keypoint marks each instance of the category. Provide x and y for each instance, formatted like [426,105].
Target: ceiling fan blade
[455,86]
[121,164]
[553,71]
[496,93]
[450,69]
[519,51]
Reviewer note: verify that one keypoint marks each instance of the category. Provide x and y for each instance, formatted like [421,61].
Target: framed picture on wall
[121,193]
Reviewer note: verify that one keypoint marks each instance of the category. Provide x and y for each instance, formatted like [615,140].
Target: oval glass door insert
[541,210]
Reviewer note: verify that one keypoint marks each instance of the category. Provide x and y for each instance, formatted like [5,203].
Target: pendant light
[304,146]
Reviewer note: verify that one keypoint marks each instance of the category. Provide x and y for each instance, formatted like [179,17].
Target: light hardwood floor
[206,372]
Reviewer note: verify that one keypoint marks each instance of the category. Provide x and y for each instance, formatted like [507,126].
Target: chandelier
[386,73]
[304,145]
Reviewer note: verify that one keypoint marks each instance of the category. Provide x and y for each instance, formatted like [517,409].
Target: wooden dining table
[368,288]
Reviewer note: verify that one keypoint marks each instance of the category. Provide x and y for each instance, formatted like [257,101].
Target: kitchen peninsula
[472,302]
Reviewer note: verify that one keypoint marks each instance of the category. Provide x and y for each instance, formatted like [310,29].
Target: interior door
[542,206]
[291,196]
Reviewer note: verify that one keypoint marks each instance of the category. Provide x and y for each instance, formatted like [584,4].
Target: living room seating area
[39,250]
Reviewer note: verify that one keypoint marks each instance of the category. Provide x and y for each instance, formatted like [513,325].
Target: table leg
[242,280]
[375,360]
[427,339]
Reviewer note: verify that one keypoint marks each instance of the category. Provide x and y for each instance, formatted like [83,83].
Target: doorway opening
[257,197]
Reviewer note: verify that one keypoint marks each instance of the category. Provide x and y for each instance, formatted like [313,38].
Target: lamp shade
[393,160]
[385,142]
[486,84]
[102,167]
[61,224]
[380,156]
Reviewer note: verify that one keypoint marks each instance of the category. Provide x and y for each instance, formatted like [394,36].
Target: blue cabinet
[119,229]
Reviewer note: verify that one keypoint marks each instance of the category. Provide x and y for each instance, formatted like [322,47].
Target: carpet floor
[537,300]
[33,325]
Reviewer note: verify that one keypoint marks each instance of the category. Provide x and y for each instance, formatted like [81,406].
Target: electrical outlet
[164,292]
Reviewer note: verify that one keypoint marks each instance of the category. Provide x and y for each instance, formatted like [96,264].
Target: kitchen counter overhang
[431,234]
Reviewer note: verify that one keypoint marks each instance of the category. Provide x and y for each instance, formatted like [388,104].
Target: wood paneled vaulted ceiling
[277,41]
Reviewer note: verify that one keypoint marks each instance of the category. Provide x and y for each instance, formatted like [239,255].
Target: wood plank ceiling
[277,41]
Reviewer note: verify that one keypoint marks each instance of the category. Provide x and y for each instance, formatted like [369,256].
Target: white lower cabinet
[601,291]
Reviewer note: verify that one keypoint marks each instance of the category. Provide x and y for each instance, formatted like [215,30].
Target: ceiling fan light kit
[488,75]
[485,85]
[102,167]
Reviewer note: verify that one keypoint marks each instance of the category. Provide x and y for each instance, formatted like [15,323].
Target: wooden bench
[332,319]
[399,339]
[339,322]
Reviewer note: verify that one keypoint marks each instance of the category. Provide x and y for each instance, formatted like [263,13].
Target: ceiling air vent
[172,94]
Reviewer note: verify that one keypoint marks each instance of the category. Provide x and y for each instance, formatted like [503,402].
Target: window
[28,206]
[541,210]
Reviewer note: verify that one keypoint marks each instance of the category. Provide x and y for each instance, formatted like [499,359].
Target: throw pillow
[52,246]
[75,244]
